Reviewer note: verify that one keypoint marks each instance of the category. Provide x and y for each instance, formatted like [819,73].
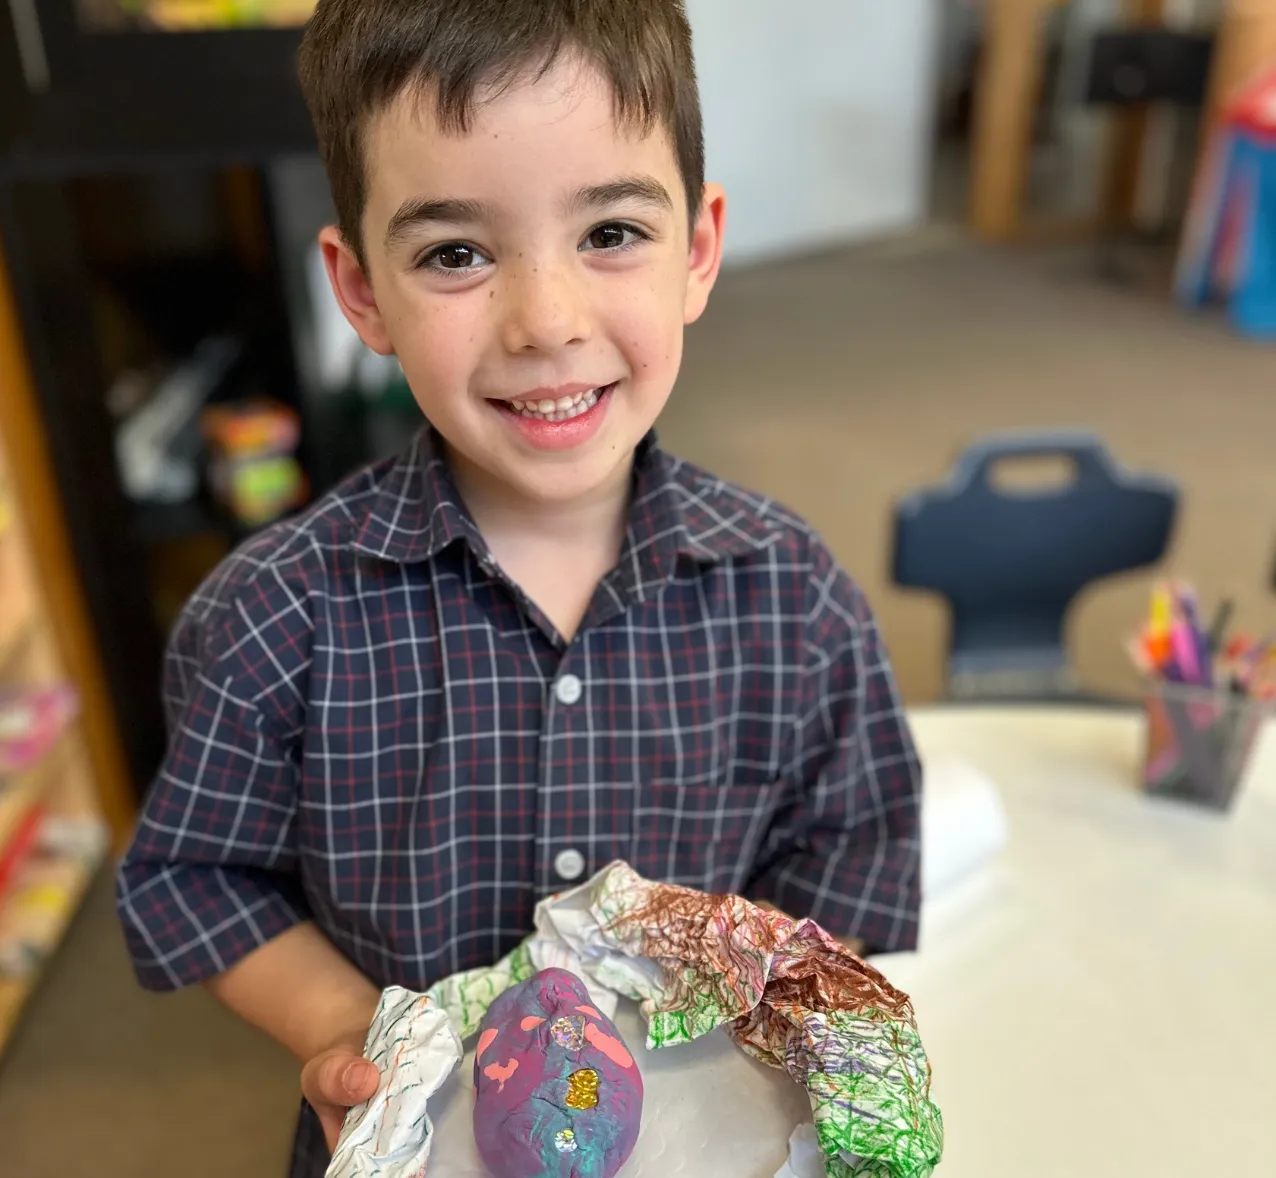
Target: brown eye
[607,237]
[455,257]
[613,236]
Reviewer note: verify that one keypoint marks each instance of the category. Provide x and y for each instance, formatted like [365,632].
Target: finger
[338,1078]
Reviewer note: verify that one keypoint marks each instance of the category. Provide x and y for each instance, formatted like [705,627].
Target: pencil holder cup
[1199,740]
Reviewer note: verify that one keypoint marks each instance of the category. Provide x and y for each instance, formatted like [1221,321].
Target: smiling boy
[535,642]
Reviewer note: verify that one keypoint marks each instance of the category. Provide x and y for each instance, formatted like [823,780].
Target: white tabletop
[1102,1001]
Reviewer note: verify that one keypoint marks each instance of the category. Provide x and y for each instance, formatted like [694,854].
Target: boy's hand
[301,991]
[335,1081]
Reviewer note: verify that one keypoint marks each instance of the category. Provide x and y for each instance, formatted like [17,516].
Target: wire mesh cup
[1199,741]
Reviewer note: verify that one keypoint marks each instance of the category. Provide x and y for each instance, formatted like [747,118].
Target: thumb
[339,1078]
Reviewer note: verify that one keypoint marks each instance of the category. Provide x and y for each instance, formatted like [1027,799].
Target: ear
[706,251]
[353,290]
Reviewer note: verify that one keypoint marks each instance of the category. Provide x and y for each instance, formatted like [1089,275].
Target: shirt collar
[417,512]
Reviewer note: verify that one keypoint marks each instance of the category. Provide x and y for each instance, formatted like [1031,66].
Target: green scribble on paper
[465,997]
[870,1096]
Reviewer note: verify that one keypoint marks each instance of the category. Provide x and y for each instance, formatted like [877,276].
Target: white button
[569,864]
[569,689]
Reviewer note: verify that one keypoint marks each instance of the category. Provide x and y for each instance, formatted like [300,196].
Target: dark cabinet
[138,218]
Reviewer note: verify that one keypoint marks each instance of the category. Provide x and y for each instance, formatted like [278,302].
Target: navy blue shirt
[371,727]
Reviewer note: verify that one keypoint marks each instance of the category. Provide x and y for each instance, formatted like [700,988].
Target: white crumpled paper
[704,970]
[413,1043]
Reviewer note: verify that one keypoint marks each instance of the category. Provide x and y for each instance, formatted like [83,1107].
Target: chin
[569,482]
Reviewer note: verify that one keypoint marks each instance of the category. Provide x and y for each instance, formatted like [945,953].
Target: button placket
[562,859]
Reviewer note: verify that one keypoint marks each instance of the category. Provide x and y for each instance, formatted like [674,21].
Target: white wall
[817,115]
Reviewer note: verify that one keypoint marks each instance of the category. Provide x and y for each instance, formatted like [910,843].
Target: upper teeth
[560,410]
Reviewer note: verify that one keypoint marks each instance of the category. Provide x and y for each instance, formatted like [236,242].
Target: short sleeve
[845,850]
[212,870]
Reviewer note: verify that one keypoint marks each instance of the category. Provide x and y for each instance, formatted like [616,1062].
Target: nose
[545,307]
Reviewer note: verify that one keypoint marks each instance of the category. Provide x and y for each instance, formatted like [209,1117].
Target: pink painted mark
[589,1010]
[495,1071]
[531,1022]
[486,1039]
[613,1049]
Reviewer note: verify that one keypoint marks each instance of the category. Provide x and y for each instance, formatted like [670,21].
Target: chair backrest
[1010,563]
[1136,66]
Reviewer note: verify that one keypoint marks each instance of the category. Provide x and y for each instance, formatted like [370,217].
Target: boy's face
[533,276]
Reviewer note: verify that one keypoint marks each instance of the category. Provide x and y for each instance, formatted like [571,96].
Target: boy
[535,643]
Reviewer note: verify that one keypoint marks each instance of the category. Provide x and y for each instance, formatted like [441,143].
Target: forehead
[536,136]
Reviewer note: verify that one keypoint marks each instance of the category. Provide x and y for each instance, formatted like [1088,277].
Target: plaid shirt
[373,728]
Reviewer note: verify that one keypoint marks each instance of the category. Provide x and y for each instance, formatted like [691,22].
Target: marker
[1162,610]
[1218,628]
[1141,657]
[1156,648]
[1237,647]
[1186,661]
[1204,668]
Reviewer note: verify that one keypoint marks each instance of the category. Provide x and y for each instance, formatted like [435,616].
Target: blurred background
[1013,225]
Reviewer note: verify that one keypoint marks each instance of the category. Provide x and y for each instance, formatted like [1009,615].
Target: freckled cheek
[440,343]
[648,335]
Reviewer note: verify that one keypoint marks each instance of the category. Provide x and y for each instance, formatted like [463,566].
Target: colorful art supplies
[31,721]
[1209,692]
[1229,249]
[253,466]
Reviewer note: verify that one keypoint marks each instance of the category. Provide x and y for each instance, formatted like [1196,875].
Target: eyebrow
[420,211]
[642,189]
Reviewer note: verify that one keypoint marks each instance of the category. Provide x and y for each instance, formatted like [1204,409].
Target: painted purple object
[557,1094]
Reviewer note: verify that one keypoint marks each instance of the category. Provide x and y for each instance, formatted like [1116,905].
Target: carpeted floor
[835,384]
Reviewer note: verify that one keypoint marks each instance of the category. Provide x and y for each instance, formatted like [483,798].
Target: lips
[559,409]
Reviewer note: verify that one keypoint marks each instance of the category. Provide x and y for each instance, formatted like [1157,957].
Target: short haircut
[358,56]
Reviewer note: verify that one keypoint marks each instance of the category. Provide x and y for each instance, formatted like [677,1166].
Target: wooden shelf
[20,793]
[14,634]
[46,637]
[14,991]
[16,608]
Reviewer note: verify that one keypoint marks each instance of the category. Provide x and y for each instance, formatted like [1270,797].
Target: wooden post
[1006,96]
[1128,136]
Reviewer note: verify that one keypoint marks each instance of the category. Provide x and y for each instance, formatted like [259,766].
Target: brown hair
[357,56]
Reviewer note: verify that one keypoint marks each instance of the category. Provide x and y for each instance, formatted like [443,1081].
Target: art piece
[787,994]
[557,1092]
[415,1047]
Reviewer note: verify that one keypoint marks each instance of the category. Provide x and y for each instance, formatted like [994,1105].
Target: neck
[598,518]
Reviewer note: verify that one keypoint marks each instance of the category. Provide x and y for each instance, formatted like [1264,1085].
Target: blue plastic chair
[1010,564]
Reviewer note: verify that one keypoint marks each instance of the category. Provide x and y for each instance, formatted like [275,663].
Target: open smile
[558,423]
[559,410]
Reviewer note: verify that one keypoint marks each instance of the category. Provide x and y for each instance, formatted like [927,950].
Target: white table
[1102,1001]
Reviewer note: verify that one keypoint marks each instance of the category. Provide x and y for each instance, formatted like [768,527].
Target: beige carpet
[834,384]
[837,384]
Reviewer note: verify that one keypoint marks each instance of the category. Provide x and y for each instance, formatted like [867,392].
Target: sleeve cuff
[851,895]
[186,924]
